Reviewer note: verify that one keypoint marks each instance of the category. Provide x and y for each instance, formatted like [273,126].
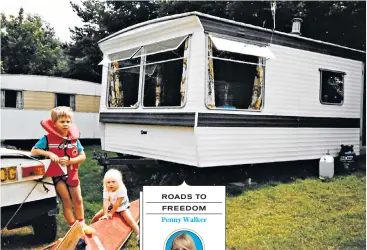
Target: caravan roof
[204,18]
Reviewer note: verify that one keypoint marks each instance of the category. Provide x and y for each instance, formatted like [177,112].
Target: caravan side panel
[292,84]
[24,124]
[234,146]
[38,100]
[292,90]
[174,144]
[87,103]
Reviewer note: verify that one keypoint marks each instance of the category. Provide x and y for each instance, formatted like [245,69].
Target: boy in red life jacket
[65,151]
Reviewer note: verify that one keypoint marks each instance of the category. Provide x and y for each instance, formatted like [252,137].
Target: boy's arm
[52,156]
[81,157]
[39,149]
[77,160]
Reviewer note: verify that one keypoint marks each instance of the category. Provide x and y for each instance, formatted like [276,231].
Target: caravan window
[331,87]
[11,99]
[165,68]
[123,80]
[65,100]
[236,74]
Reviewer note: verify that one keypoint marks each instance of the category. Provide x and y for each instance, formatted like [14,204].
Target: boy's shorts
[65,178]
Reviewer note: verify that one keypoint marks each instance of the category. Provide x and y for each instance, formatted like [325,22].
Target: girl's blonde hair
[116,175]
[185,240]
[61,111]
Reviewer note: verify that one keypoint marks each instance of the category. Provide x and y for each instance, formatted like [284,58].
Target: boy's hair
[185,240]
[116,175]
[61,111]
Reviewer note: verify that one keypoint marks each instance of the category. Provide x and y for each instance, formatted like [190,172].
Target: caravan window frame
[134,50]
[109,68]
[321,70]
[188,37]
[206,89]
[142,48]
[142,67]
[16,90]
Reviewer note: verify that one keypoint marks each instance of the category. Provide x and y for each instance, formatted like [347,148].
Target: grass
[307,214]
[301,214]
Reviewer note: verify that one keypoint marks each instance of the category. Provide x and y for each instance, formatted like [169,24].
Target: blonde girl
[183,242]
[115,200]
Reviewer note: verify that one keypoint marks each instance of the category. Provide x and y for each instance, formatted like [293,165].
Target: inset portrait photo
[184,240]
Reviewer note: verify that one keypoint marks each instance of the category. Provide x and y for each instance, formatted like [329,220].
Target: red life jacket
[62,147]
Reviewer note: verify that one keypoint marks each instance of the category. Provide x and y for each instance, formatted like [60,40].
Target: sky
[56,12]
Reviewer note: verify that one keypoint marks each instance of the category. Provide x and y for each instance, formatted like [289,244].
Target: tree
[214,8]
[29,46]
[322,20]
[343,22]
[100,20]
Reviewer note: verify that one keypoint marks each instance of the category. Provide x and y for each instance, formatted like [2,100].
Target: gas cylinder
[326,166]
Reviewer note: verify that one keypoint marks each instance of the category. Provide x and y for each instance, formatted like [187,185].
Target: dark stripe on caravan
[238,120]
[164,119]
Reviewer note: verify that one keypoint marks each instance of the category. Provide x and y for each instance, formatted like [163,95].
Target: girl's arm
[105,206]
[116,206]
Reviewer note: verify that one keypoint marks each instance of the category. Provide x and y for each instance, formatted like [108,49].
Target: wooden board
[71,238]
[112,234]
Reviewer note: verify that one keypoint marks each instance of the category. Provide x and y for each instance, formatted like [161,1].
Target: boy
[65,152]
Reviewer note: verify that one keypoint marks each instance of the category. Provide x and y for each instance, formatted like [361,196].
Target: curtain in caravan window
[257,89]
[2,98]
[116,94]
[158,87]
[184,73]
[211,95]
[19,100]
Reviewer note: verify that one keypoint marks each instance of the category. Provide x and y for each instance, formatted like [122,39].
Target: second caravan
[28,99]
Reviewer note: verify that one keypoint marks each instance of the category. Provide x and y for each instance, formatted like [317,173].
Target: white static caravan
[28,99]
[204,91]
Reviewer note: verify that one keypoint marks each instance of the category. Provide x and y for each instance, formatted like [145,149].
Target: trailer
[28,99]
[204,91]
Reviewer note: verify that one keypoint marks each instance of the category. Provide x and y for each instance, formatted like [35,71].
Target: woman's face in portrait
[178,246]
